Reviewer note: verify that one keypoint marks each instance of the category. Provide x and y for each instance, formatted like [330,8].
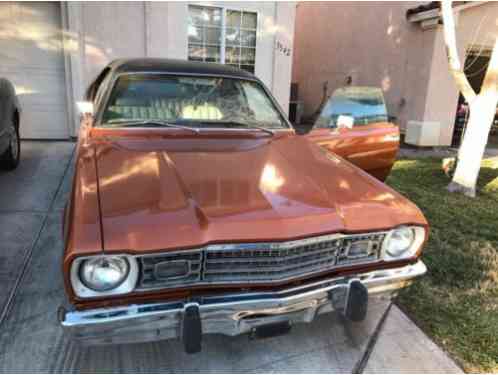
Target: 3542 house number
[285,50]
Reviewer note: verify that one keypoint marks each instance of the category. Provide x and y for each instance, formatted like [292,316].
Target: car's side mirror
[345,122]
[85,108]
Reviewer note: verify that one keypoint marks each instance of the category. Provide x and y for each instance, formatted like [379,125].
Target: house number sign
[284,49]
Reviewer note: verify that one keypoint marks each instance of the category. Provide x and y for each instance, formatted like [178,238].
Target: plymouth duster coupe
[195,209]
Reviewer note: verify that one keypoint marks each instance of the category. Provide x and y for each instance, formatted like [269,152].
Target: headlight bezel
[84,264]
[82,290]
[412,251]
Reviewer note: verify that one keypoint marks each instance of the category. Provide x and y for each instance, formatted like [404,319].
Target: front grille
[278,262]
[149,278]
[259,262]
[262,262]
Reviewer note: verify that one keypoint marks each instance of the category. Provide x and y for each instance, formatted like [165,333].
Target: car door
[354,125]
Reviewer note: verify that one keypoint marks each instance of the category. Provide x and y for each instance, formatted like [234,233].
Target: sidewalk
[437,152]
[402,347]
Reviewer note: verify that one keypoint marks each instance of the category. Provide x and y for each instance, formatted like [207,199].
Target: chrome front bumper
[230,314]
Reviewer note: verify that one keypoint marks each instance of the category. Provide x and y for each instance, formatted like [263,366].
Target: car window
[196,101]
[101,88]
[93,89]
[364,104]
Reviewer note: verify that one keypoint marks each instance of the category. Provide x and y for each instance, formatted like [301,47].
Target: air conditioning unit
[430,23]
[422,133]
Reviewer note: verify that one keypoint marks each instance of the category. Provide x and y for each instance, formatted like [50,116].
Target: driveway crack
[360,366]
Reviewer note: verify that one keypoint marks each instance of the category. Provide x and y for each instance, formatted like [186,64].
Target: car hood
[184,192]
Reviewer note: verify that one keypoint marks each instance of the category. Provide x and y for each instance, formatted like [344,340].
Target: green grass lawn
[456,303]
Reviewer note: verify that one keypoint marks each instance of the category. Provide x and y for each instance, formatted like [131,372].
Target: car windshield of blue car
[365,105]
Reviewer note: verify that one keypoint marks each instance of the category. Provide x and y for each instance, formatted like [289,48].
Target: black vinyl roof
[144,65]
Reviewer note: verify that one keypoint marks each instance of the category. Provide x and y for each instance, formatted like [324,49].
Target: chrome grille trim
[253,263]
[276,264]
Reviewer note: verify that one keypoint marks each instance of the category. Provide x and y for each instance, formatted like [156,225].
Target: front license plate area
[271,330]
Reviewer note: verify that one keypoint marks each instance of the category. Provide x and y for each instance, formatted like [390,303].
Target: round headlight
[399,241]
[104,273]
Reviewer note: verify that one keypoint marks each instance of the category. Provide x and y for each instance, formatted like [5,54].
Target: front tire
[10,158]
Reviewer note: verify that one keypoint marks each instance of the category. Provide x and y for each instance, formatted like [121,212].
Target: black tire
[10,159]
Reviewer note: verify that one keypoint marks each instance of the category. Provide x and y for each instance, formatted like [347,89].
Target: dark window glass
[204,33]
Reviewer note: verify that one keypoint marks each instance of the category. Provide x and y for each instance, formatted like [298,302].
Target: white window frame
[223,26]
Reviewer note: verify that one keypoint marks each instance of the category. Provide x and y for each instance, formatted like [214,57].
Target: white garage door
[31,57]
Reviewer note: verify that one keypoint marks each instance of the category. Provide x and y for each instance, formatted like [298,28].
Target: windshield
[365,104]
[190,101]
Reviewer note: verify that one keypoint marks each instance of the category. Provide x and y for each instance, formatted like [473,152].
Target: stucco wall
[283,48]
[111,30]
[371,42]
[100,32]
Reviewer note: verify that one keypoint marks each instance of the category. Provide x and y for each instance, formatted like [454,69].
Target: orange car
[354,124]
[196,209]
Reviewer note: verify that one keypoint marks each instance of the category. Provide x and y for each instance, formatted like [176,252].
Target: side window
[364,104]
[93,89]
[257,98]
[102,88]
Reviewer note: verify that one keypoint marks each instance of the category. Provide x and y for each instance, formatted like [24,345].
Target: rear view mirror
[85,108]
[345,122]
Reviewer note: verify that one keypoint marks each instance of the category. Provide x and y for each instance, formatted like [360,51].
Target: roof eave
[436,13]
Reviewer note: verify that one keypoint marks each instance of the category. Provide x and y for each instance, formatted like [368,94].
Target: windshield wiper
[245,125]
[153,122]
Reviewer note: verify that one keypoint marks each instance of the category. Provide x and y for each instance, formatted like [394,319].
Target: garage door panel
[47,85]
[21,53]
[48,124]
[31,56]
[35,29]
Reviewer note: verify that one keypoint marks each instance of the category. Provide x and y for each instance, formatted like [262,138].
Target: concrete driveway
[31,203]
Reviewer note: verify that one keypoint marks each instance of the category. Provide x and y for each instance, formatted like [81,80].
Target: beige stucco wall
[371,42]
[100,32]
[283,29]
[477,26]
[111,30]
